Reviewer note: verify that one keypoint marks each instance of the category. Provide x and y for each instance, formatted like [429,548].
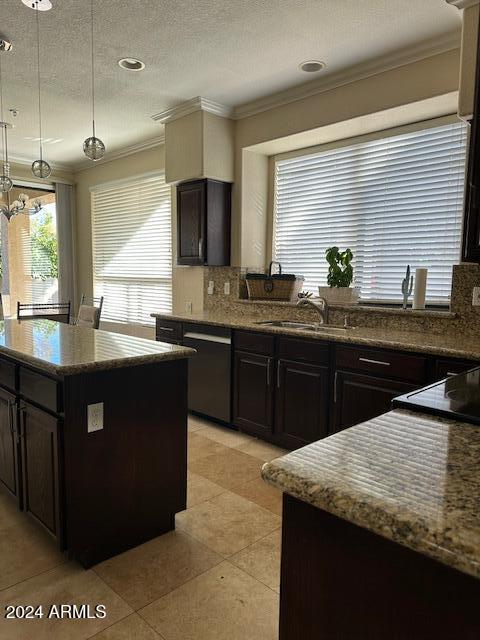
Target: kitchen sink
[303,326]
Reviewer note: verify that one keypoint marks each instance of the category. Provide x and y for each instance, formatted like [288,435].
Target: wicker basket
[279,286]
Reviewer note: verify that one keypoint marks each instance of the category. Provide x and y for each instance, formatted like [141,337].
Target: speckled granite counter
[411,478]
[64,349]
[451,345]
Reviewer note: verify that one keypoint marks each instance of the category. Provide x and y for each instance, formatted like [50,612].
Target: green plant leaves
[340,271]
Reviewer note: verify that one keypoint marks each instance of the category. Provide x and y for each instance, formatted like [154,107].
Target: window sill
[364,308]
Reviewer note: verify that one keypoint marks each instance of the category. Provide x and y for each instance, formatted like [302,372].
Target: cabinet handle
[384,364]
[335,387]
[200,247]
[278,374]
[13,429]
[164,329]
[268,371]
[450,374]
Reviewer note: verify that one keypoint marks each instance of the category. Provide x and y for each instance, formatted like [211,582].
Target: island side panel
[125,482]
[341,581]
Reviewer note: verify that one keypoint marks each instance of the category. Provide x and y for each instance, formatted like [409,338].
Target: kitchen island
[93,429]
[381,531]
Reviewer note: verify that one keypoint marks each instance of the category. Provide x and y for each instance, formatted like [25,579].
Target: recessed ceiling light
[131,64]
[42,5]
[312,66]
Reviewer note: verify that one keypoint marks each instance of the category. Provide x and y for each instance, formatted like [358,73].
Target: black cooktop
[457,397]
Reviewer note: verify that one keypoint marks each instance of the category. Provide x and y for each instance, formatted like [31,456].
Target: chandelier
[18,206]
[6,183]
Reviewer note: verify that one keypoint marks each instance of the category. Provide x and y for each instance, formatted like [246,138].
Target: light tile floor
[216,577]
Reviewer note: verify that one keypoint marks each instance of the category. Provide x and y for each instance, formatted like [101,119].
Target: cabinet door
[301,403]
[9,467]
[191,200]
[253,393]
[358,398]
[41,469]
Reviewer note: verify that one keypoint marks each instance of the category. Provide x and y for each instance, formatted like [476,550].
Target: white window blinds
[132,249]
[394,201]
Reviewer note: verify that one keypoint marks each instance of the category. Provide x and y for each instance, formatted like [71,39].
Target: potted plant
[339,279]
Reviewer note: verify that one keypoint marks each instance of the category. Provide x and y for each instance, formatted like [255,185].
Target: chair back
[58,311]
[89,312]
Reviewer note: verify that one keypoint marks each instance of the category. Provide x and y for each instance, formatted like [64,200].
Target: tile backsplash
[462,317]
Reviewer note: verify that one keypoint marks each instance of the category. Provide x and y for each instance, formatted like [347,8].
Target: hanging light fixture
[93,147]
[40,167]
[6,183]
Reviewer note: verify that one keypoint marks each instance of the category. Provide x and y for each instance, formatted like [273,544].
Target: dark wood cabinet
[253,393]
[301,403]
[168,331]
[9,460]
[445,368]
[358,397]
[203,222]
[471,226]
[40,434]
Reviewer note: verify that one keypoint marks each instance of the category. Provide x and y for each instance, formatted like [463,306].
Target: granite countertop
[64,349]
[452,345]
[411,478]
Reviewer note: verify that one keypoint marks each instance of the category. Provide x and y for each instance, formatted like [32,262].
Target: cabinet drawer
[445,367]
[255,342]
[168,329]
[291,349]
[389,364]
[40,389]
[7,374]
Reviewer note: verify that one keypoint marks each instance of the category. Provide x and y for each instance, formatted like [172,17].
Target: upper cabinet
[471,229]
[466,93]
[203,222]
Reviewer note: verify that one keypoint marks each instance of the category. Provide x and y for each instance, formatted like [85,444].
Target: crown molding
[191,106]
[27,162]
[121,153]
[462,4]
[361,71]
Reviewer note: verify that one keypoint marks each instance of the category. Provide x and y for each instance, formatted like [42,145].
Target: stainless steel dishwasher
[210,371]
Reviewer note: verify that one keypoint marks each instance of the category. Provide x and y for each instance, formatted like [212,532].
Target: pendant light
[93,147]
[6,183]
[40,168]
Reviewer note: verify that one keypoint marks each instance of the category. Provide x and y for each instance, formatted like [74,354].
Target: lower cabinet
[358,397]
[40,434]
[301,403]
[253,394]
[9,459]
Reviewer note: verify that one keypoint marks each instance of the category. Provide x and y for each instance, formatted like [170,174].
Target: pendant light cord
[93,66]
[38,79]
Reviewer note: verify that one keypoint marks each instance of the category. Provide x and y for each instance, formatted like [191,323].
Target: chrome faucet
[320,305]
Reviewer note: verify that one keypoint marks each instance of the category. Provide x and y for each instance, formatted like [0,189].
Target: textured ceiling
[230,51]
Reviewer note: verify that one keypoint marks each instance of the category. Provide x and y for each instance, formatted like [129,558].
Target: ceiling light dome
[131,64]
[312,66]
[43,5]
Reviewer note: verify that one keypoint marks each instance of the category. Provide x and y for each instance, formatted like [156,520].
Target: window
[394,201]
[29,249]
[132,249]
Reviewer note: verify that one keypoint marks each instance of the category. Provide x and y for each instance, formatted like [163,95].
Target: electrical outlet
[95,417]
[211,287]
[476,297]
[188,307]
[226,288]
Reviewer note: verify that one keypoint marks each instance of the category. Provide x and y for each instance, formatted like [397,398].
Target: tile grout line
[222,559]
[35,575]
